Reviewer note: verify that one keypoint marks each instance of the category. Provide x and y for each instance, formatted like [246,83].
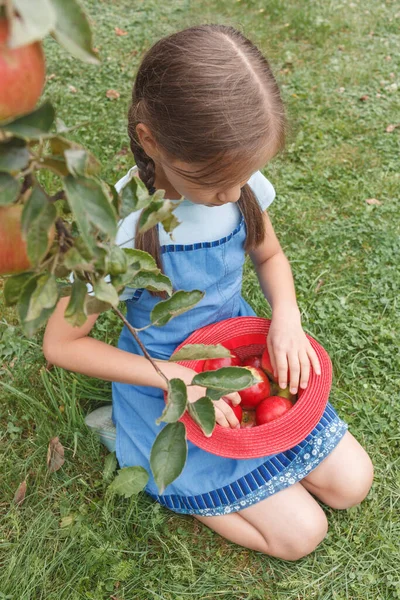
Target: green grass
[344,254]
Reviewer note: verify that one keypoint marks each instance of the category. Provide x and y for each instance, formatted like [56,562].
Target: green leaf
[203,412]
[31,327]
[34,206]
[110,465]
[228,379]
[134,196]
[200,352]
[90,206]
[33,125]
[117,261]
[13,287]
[129,481]
[72,30]
[14,155]
[75,311]
[74,260]
[9,189]
[151,281]
[143,259]
[33,22]
[56,164]
[168,454]
[94,306]
[179,303]
[81,162]
[44,296]
[105,292]
[159,211]
[38,216]
[176,403]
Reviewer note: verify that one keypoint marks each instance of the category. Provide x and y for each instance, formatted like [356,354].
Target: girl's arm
[288,345]
[71,348]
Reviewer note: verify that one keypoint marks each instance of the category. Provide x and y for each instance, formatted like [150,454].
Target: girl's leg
[344,477]
[289,524]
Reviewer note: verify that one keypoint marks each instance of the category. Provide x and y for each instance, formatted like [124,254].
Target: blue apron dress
[209,484]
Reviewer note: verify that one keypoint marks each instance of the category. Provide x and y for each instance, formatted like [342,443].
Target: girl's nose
[231,195]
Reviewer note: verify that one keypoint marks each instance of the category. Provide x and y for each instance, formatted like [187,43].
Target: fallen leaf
[72,89]
[341,90]
[373,201]
[112,94]
[341,48]
[320,282]
[96,50]
[391,75]
[364,98]
[49,77]
[119,31]
[55,455]
[19,496]
[388,58]
[391,128]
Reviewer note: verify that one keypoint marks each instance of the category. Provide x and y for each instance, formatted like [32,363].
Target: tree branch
[135,335]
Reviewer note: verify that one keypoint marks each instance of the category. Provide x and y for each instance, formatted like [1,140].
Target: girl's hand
[223,412]
[289,348]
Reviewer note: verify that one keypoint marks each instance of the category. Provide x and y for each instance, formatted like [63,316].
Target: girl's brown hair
[209,97]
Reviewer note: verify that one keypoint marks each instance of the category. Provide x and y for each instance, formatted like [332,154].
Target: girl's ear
[147,141]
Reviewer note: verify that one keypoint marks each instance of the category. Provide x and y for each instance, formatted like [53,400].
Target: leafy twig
[135,335]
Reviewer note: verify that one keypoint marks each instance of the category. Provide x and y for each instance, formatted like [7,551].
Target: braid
[146,167]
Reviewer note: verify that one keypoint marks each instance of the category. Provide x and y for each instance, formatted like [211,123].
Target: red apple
[13,255]
[212,364]
[272,408]
[248,419]
[236,409]
[253,395]
[22,75]
[267,365]
[252,361]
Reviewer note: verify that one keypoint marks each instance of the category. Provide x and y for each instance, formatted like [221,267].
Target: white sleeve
[263,189]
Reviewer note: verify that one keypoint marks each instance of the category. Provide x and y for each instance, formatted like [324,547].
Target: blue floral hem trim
[187,247]
[274,475]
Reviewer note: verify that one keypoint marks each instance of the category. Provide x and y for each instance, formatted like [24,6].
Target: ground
[337,63]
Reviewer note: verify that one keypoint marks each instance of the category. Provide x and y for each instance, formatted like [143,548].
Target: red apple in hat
[252,361]
[251,396]
[272,408]
[266,365]
[212,364]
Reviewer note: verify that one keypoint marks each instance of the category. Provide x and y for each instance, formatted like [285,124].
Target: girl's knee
[354,488]
[303,541]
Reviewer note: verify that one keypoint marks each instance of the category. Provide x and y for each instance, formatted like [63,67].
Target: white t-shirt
[198,223]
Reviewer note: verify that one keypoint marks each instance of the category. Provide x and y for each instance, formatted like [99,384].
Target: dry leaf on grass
[19,496]
[364,98]
[112,94]
[391,128]
[72,89]
[373,201]
[119,31]
[55,455]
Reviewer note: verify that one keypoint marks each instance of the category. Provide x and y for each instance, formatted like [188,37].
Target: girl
[206,116]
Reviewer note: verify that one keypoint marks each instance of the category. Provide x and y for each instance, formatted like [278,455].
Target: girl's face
[198,194]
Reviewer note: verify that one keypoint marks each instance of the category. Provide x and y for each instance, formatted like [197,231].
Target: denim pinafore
[208,485]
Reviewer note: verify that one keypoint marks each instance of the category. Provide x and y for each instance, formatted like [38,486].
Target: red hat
[247,336]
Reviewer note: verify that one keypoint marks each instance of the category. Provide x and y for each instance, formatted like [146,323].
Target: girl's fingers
[224,414]
[281,368]
[234,398]
[314,360]
[305,369]
[294,367]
